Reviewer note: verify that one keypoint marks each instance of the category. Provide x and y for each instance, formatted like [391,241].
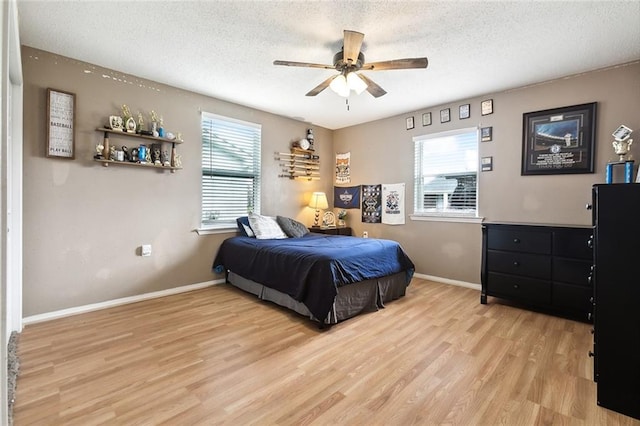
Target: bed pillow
[291,227]
[265,227]
[244,227]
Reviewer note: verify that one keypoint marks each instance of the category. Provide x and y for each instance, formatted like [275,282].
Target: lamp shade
[319,201]
[339,85]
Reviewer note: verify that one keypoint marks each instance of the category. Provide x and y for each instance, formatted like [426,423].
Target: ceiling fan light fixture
[339,85]
[355,83]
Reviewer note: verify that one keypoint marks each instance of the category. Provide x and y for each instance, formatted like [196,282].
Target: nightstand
[339,230]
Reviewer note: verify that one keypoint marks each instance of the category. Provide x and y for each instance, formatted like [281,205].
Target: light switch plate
[146,250]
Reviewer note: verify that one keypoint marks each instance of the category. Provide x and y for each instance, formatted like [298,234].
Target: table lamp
[318,201]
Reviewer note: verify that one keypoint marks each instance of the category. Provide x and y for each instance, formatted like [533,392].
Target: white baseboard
[449,281]
[116,302]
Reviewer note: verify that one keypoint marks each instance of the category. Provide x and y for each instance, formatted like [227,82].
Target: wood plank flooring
[220,356]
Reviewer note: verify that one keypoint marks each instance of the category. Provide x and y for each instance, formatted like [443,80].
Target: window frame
[227,224]
[448,216]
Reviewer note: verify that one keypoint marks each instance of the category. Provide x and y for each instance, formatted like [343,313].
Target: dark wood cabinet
[617,297]
[543,266]
[338,230]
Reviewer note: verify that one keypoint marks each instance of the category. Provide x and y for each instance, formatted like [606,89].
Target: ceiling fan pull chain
[347,102]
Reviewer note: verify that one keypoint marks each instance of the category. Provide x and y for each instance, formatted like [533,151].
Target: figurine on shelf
[165,158]
[155,154]
[161,128]
[154,124]
[116,123]
[140,122]
[112,153]
[99,151]
[125,150]
[129,122]
[178,161]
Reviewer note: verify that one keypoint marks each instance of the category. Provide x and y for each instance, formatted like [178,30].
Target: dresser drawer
[531,265]
[513,239]
[573,242]
[572,271]
[572,297]
[519,288]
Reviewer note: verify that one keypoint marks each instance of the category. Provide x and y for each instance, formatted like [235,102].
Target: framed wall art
[486,134]
[426,119]
[445,115]
[409,123]
[464,111]
[61,111]
[559,140]
[486,107]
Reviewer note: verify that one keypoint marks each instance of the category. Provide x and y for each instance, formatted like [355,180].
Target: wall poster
[371,203]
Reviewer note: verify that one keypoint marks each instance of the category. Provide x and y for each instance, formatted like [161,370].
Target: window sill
[210,231]
[453,219]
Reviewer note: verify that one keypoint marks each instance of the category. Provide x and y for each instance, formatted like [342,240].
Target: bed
[328,278]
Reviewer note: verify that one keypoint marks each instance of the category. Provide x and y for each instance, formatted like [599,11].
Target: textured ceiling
[225,49]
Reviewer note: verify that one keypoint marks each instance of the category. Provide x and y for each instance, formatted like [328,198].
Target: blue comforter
[311,268]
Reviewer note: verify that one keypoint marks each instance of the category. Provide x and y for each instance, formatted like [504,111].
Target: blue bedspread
[311,268]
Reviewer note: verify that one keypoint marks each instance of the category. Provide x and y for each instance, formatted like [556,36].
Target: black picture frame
[410,123]
[426,119]
[486,164]
[61,133]
[486,107]
[464,111]
[559,140]
[445,115]
[486,134]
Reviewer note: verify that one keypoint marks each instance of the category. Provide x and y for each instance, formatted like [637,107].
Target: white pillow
[265,227]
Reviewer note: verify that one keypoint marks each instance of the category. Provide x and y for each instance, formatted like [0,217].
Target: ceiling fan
[350,60]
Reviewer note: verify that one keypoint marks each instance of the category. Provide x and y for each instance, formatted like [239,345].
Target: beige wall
[382,152]
[83,223]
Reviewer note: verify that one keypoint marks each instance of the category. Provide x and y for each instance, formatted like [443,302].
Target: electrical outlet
[365,234]
[145,250]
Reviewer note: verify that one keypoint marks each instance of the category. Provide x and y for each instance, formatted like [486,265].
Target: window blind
[230,169]
[446,169]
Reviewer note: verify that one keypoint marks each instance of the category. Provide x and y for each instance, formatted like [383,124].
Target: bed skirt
[352,299]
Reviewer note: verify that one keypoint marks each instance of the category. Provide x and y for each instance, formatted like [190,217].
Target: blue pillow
[244,227]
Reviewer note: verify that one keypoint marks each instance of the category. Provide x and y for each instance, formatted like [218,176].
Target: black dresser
[543,266]
[616,219]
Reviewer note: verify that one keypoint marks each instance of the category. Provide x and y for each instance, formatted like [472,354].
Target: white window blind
[230,170]
[446,171]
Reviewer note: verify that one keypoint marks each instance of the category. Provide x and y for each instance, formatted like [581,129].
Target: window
[446,171]
[230,170]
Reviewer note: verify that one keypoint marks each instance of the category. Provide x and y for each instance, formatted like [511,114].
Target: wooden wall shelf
[135,135]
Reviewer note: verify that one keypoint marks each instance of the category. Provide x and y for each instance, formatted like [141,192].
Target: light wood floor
[220,356]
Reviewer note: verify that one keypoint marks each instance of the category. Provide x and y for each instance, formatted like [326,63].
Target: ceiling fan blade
[320,87]
[352,45]
[304,64]
[396,64]
[372,87]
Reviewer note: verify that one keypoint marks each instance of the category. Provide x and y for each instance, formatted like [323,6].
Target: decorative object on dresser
[543,266]
[318,202]
[616,302]
[621,146]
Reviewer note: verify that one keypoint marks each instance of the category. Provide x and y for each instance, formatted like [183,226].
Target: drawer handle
[516,240]
[589,316]
[589,279]
[591,354]
[590,242]
[516,263]
[515,286]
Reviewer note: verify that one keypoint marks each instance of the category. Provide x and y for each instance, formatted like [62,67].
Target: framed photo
[464,111]
[559,140]
[410,123]
[426,119]
[486,134]
[487,107]
[486,164]
[445,115]
[61,111]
